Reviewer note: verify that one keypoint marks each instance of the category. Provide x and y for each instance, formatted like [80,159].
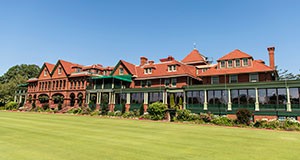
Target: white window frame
[233,75]
[148,71]
[229,66]
[244,64]
[253,74]
[222,64]
[237,60]
[172,68]
[59,70]
[121,71]
[45,72]
[212,79]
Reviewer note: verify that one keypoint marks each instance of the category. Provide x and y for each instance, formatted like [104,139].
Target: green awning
[126,78]
[23,85]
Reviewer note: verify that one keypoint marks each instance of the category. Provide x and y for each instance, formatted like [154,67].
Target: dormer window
[229,63]
[148,71]
[237,63]
[245,62]
[104,72]
[59,70]
[172,68]
[222,64]
[78,70]
[121,71]
[45,72]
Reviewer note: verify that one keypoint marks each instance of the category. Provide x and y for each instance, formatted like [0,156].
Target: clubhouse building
[236,80]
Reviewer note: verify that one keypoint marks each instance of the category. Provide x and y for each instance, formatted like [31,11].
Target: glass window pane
[281,95]
[272,96]
[294,95]
[218,96]
[251,96]
[243,96]
[210,97]
[234,97]
[262,96]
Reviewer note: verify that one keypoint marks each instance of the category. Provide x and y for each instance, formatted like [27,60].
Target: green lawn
[48,136]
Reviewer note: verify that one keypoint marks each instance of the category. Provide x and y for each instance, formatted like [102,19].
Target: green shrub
[104,109]
[92,106]
[145,116]
[141,110]
[11,106]
[206,117]
[33,105]
[118,113]
[194,117]
[45,106]
[243,116]
[129,114]
[183,115]
[260,124]
[85,110]
[223,121]
[111,113]
[95,113]
[157,110]
[59,106]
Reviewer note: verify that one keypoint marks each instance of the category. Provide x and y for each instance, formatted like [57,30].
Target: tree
[284,74]
[13,77]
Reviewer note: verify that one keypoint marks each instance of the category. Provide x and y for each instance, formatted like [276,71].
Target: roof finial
[194,45]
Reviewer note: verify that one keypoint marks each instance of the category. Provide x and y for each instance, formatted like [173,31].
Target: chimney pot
[143,61]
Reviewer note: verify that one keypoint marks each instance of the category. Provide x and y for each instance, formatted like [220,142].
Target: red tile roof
[130,67]
[194,56]
[49,66]
[68,66]
[235,55]
[256,67]
[161,70]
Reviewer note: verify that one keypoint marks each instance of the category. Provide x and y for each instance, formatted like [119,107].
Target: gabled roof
[131,67]
[49,66]
[67,66]
[235,54]
[194,57]
[256,67]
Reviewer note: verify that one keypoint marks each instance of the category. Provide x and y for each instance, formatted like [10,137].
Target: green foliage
[172,101]
[13,77]
[11,106]
[45,106]
[141,110]
[118,113]
[95,113]
[59,106]
[85,110]
[104,109]
[183,115]
[43,98]
[110,114]
[129,114]
[288,124]
[206,117]
[157,110]
[92,105]
[243,116]
[223,121]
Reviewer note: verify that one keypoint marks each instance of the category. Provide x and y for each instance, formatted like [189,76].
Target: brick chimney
[271,57]
[143,61]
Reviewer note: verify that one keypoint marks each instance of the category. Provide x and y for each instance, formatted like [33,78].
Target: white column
[87,97]
[165,96]
[100,94]
[109,97]
[20,99]
[288,104]
[184,100]
[229,101]
[15,99]
[205,100]
[256,100]
[98,101]
[145,97]
[127,98]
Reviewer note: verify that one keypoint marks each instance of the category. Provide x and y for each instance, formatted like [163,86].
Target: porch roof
[126,78]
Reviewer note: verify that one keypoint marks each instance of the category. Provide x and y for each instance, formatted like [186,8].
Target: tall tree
[13,77]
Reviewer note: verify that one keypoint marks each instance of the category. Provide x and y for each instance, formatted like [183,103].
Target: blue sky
[91,32]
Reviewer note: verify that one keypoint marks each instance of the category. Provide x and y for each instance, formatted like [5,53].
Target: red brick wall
[125,72]
[259,117]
